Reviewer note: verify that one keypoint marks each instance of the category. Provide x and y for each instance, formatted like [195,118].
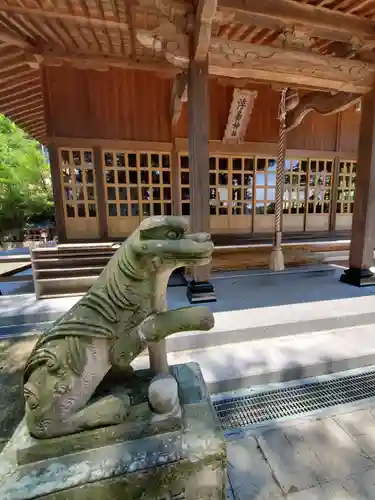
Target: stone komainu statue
[109,327]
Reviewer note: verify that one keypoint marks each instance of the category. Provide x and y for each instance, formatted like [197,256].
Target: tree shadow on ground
[328,453]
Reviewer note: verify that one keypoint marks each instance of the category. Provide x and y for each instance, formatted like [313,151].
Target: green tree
[25,184]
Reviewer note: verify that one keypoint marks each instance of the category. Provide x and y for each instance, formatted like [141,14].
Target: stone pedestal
[358,277]
[172,459]
[199,292]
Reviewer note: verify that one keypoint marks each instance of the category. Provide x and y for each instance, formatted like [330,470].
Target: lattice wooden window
[265,185]
[78,182]
[185,184]
[137,184]
[219,186]
[346,187]
[320,186]
[295,180]
[242,173]
[231,185]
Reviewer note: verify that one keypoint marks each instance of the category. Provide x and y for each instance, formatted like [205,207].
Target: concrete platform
[269,327]
[246,364]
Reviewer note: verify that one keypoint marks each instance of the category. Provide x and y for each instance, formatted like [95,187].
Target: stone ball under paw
[163,393]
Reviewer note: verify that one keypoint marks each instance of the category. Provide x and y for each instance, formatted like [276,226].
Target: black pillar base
[200,291]
[358,277]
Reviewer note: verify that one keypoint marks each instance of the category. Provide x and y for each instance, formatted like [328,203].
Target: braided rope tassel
[280,169]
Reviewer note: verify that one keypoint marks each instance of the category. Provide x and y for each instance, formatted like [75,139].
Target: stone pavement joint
[306,458]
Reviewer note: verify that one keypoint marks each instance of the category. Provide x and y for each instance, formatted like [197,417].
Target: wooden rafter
[131,23]
[10,38]
[202,31]
[19,106]
[36,112]
[21,102]
[27,88]
[59,15]
[16,62]
[19,80]
[28,124]
[27,73]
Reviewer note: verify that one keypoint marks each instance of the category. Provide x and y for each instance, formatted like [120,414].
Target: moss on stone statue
[13,354]
[157,483]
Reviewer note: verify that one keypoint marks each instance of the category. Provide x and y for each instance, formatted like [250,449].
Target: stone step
[234,366]
[61,286]
[72,262]
[67,272]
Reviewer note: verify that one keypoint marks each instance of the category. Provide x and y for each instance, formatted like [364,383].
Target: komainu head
[166,239]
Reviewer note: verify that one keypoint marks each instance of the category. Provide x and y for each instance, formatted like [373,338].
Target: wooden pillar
[199,289]
[100,194]
[363,228]
[57,191]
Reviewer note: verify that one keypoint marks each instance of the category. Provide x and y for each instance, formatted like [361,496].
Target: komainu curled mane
[109,327]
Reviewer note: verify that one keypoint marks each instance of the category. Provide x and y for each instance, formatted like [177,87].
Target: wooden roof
[323,44]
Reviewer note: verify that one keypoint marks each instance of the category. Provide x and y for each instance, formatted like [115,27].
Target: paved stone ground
[306,459]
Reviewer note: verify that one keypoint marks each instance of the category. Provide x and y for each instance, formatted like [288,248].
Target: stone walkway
[306,459]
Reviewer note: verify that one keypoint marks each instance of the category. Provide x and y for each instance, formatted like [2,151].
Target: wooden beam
[101,62]
[271,64]
[324,104]
[202,32]
[275,14]
[326,23]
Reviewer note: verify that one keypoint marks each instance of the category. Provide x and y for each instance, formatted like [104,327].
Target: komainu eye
[173,235]
[31,400]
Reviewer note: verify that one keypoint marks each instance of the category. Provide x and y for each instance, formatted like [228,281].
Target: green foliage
[25,184]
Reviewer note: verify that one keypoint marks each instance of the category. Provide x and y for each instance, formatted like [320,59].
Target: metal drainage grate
[292,401]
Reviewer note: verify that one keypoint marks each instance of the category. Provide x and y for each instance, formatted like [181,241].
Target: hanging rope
[280,168]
